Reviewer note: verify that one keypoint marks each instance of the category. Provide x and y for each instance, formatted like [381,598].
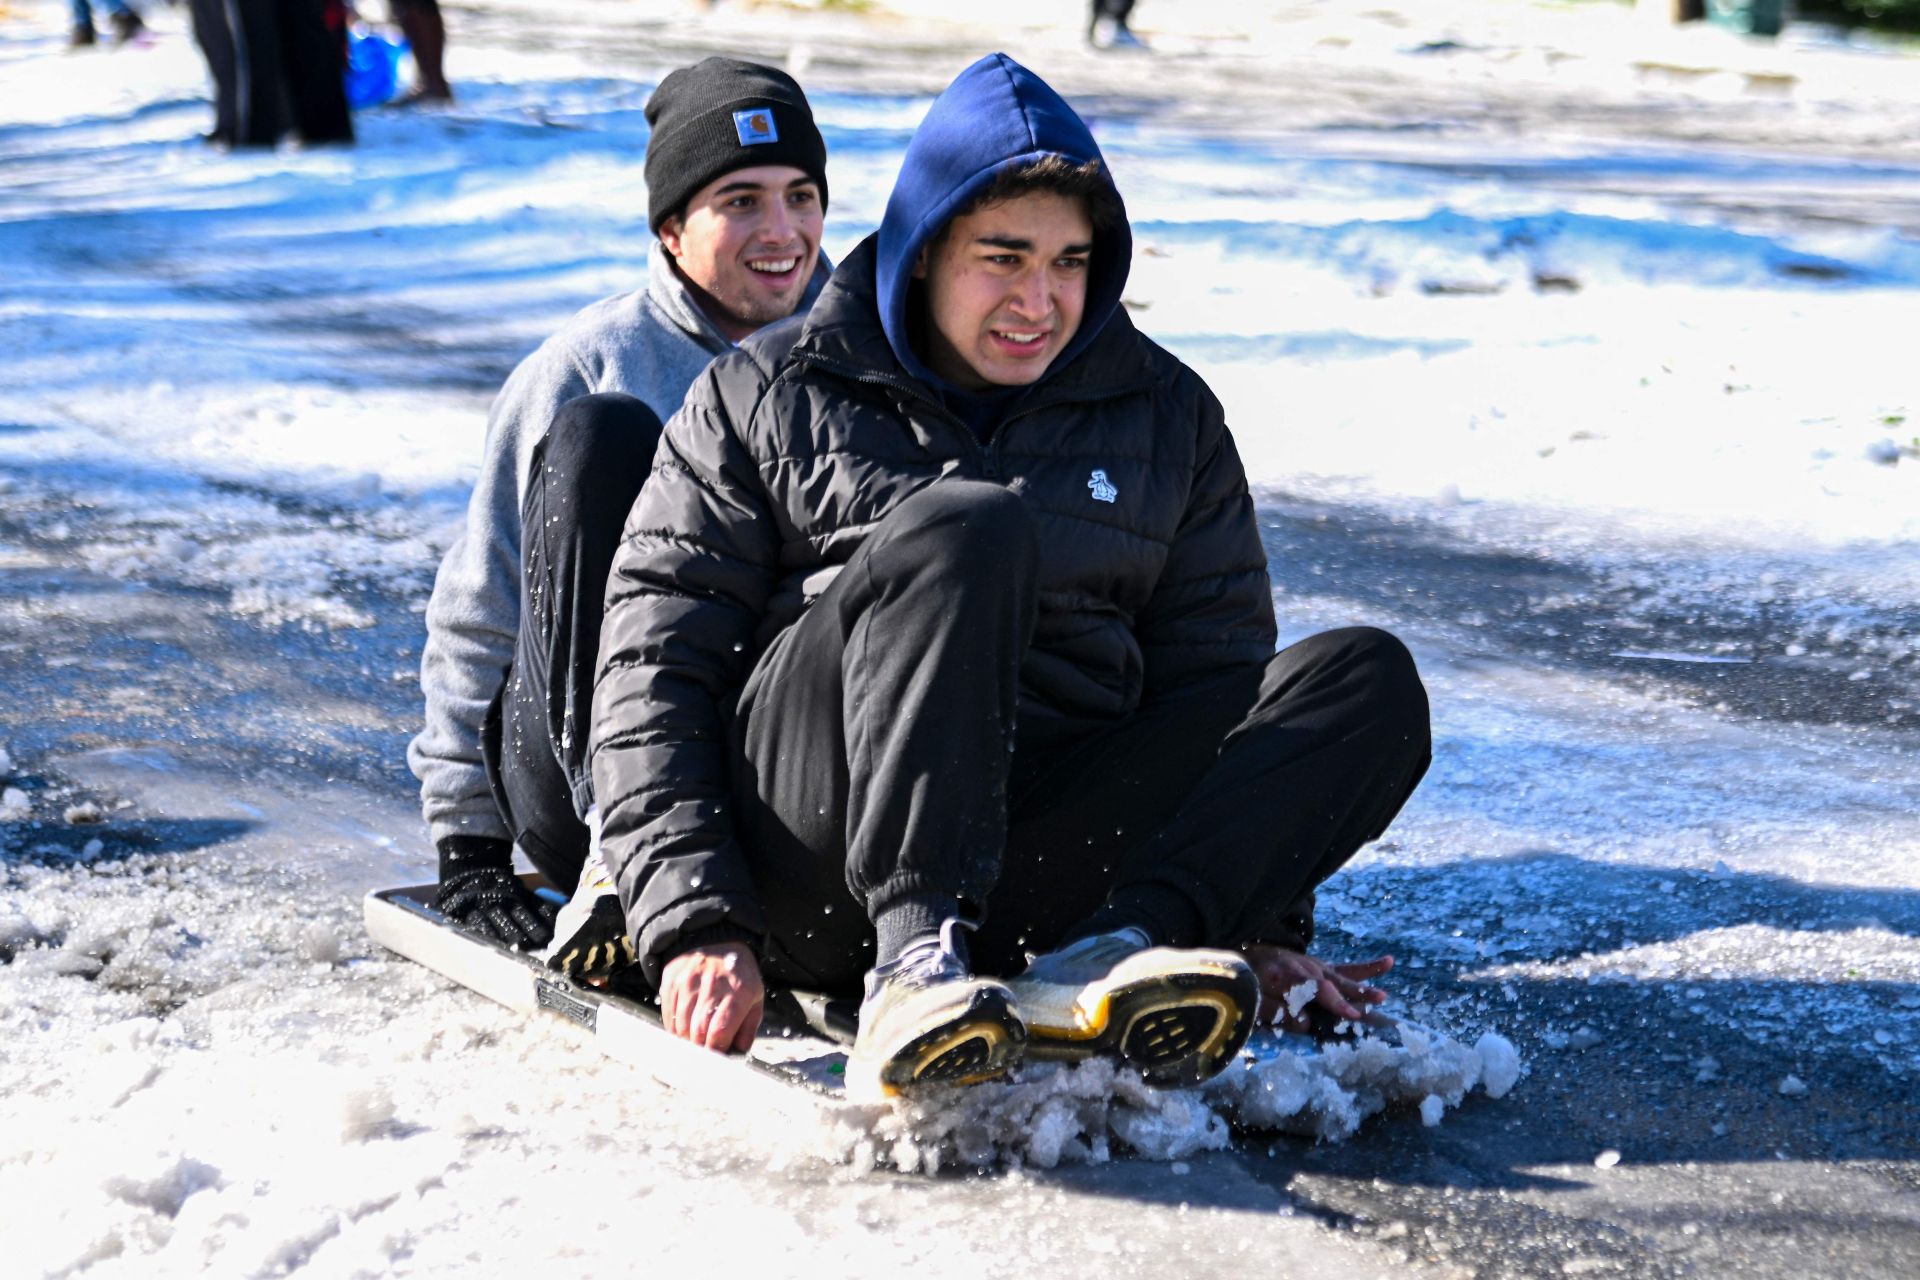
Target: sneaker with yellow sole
[1175,1014]
[927,1020]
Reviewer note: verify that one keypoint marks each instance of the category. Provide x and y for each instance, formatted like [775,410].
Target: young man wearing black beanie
[737,191]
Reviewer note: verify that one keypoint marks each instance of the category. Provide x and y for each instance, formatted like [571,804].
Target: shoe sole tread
[1174,1028]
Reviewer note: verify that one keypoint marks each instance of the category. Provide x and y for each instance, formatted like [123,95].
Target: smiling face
[748,242]
[1006,286]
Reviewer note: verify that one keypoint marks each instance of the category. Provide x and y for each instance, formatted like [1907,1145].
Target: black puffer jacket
[783,457]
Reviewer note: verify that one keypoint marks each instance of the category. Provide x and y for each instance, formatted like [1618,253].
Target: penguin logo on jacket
[1103,490]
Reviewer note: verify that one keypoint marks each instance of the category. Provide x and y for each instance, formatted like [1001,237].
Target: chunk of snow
[14,804]
[365,1112]
[6,763]
[1883,451]
[84,814]
[1300,996]
[17,931]
[1585,1038]
[1046,1115]
[161,1183]
[1606,1159]
[319,944]
[1793,1086]
[1499,1064]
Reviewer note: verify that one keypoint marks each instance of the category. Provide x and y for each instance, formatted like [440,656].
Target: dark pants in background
[1118,10]
[880,750]
[277,67]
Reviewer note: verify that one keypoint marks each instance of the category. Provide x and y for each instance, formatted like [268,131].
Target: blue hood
[996,115]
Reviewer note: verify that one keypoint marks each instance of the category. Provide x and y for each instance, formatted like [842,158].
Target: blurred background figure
[125,22]
[419,21]
[1107,25]
[278,66]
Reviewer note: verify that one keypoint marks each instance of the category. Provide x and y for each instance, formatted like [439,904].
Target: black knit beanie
[720,115]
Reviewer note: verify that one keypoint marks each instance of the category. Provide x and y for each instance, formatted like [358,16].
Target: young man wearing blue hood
[946,609]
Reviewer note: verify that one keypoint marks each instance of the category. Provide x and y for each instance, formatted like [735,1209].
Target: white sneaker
[1177,1015]
[927,1020]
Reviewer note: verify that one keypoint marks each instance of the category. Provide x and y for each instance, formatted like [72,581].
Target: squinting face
[749,240]
[1005,290]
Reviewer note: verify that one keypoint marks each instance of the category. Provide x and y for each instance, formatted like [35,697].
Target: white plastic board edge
[728,1082]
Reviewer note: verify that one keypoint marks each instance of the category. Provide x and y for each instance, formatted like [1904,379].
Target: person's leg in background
[426,32]
[1107,25]
[311,63]
[83,32]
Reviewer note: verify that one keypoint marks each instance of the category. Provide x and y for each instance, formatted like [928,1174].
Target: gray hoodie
[651,344]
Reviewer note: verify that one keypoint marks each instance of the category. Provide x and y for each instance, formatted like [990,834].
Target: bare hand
[713,996]
[1340,989]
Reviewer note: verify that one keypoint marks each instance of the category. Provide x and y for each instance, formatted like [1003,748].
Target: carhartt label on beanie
[723,114]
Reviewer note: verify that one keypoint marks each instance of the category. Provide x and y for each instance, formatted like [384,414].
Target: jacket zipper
[877,379]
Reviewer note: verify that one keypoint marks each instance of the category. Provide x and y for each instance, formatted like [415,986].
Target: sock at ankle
[1167,916]
[908,919]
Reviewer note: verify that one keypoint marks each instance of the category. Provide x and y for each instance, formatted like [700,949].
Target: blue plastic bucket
[373,67]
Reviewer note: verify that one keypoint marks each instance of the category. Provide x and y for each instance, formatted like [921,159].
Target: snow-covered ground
[1614,423]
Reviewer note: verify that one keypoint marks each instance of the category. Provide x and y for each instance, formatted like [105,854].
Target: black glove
[480,893]
[599,946]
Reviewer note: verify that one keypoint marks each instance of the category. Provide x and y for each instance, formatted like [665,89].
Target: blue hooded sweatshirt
[995,116]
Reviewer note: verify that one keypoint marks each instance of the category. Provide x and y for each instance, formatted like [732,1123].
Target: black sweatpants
[882,758]
[586,471]
[275,67]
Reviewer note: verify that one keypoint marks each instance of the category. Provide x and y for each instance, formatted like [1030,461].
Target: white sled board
[789,1071]
[793,1070]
